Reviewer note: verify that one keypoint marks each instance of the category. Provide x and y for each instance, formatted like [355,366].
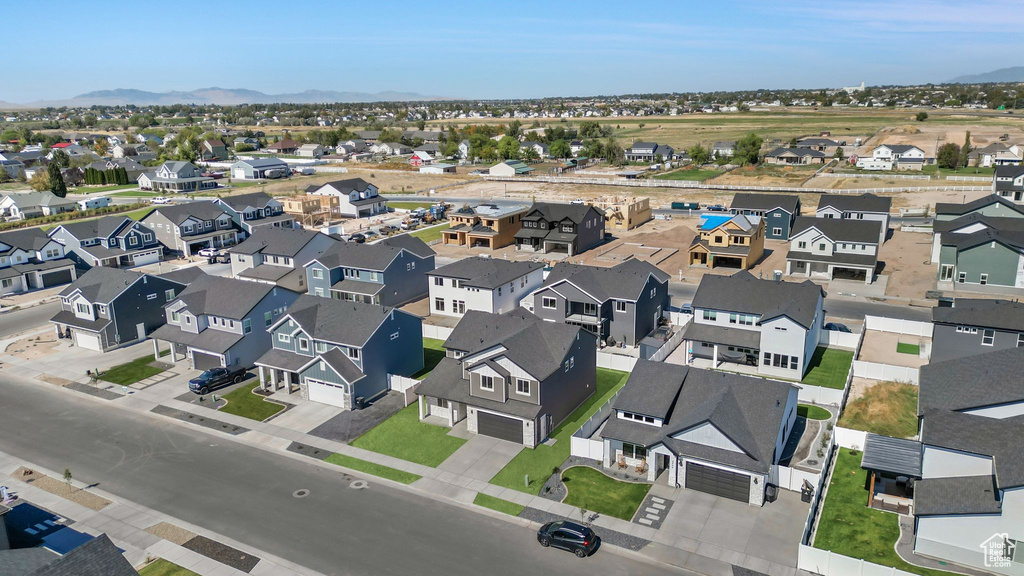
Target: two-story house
[779,211]
[221,322]
[341,353]
[649,152]
[511,376]
[1008,183]
[483,284]
[725,149]
[106,308]
[29,260]
[484,226]
[832,248]
[975,326]
[213,150]
[391,272]
[714,432]
[357,198]
[862,207]
[969,503]
[733,241]
[996,154]
[566,228]
[622,304]
[741,319]
[976,241]
[249,211]
[177,177]
[901,156]
[277,255]
[189,227]
[112,241]
[624,213]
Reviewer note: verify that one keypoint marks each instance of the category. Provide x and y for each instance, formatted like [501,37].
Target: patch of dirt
[171,533]
[859,386]
[49,379]
[33,347]
[906,256]
[61,488]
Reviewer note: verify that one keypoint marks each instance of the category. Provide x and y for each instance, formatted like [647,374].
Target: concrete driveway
[481,457]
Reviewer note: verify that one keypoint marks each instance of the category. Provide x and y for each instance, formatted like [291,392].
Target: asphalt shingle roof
[377,256]
[766,202]
[338,321]
[101,283]
[276,241]
[979,435]
[252,199]
[624,281]
[97,228]
[178,213]
[1001,314]
[956,209]
[860,203]
[487,273]
[956,495]
[744,293]
[225,297]
[344,186]
[28,239]
[971,382]
[551,212]
[840,229]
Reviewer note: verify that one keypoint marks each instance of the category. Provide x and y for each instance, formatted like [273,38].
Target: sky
[494,50]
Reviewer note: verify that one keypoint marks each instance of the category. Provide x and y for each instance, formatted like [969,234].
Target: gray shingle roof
[1000,314]
[97,228]
[624,281]
[225,297]
[796,152]
[29,239]
[979,435]
[840,229]
[259,163]
[276,241]
[338,321]
[253,199]
[377,256]
[446,381]
[973,381]
[551,212]
[956,495]
[178,213]
[1013,239]
[101,283]
[411,243]
[997,223]
[487,273]
[213,340]
[900,148]
[342,364]
[186,275]
[344,186]
[956,209]
[859,203]
[743,292]
[97,557]
[754,201]
[26,200]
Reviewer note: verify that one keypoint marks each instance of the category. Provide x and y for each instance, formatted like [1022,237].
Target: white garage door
[146,258]
[326,393]
[88,340]
[239,174]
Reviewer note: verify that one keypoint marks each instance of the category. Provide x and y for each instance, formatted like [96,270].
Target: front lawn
[409,205]
[848,527]
[887,408]
[372,469]
[131,372]
[243,402]
[812,412]
[510,508]
[593,490]
[904,348]
[135,194]
[539,463]
[161,567]
[140,213]
[404,436]
[431,234]
[433,352]
[696,175]
[95,189]
[829,368]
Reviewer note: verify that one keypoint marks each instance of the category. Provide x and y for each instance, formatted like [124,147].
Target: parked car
[577,201]
[371,235]
[219,259]
[837,327]
[357,238]
[418,213]
[161,200]
[570,536]
[215,378]
[716,208]
[410,224]
[209,252]
[687,309]
[388,230]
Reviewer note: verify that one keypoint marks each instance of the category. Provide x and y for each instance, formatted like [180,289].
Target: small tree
[839,155]
[560,149]
[948,156]
[699,155]
[922,116]
[793,142]
[965,149]
[748,149]
[67,477]
[40,181]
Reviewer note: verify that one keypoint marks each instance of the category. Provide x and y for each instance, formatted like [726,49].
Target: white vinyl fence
[407,386]
[831,564]
[836,339]
[436,332]
[669,346]
[898,326]
[848,438]
[615,361]
[820,394]
[793,479]
[877,371]
[582,444]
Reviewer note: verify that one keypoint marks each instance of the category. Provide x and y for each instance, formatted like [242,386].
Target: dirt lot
[881,347]
[906,256]
[33,347]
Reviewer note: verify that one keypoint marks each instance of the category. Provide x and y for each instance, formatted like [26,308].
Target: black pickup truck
[216,378]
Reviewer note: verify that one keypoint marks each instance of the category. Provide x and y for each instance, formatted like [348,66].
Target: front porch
[216,240]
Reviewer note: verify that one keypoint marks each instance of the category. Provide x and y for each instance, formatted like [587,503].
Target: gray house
[391,272]
[256,209]
[624,303]
[565,228]
[110,307]
[277,255]
[1008,183]
[221,322]
[779,211]
[29,259]
[511,376]
[259,169]
[191,226]
[862,207]
[976,326]
[979,243]
[341,353]
[108,241]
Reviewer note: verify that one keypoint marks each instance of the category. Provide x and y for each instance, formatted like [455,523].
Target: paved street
[246,493]
[21,320]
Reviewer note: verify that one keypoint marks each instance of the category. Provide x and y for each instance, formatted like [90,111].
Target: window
[486,383]
[637,417]
[767,359]
[318,273]
[572,361]
[988,337]
[522,386]
[711,315]
[318,291]
[821,246]
[776,231]
[961,277]
[246,326]
[633,451]
[169,294]
[590,309]
[439,304]
[320,347]
[499,290]
[620,306]
[732,318]
[188,320]
[566,366]
[548,303]
[175,317]
[133,240]
[793,361]
[151,296]
[303,344]
[801,245]
[353,353]
[285,338]
[459,306]
[1020,340]
[438,281]
[83,308]
[101,309]
[268,318]
[147,237]
[394,336]
[984,279]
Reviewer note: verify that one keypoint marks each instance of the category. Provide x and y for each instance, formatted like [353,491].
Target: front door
[141,329]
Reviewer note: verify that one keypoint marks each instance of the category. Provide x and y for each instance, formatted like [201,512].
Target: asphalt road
[21,320]
[246,494]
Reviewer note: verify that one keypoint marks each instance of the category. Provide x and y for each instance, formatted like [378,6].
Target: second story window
[83,308]
[284,338]
[522,386]
[438,281]
[710,315]
[303,344]
[549,303]
[318,273]
[487,383]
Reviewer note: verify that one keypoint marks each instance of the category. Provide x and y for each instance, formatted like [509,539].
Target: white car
[209,252]
[161,200]
[577,201]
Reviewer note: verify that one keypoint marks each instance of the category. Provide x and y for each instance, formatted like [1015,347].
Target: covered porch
[218,239]
[712,346]
[893,466]
[279,370]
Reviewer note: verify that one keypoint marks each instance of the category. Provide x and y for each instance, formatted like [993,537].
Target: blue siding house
[391,272]
[778,210]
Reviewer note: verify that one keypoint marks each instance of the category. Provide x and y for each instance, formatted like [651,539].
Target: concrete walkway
[481,457]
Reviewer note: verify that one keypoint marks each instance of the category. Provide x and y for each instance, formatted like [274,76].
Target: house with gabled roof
[484,225]
[178,177]
[213,150]
[29,260]
[779,211]
[391,272]
[511,376]
[859,207]
[108,241]
[973,326]
[510,168]
[722,240]
[794,156]
[277,256]
[285,146]
[256,209]
[978,244]
[484,284]
[1008,183]
[649,152]
[21,205]
[831,248]
[190,226]
[714,432]
[357,198]
[565,228]
[996,154]
[341,353]
[827,146]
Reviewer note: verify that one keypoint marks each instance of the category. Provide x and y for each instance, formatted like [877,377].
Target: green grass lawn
[430,234]
[698,175]
[372,469]
[510,508]
[812,412]
[242,402]
[433,352]
[131,372]
[162,567]
[410,205]
[828,368]
[904,348]
[887,408]
[135,194]
[966,171]
[140,213]
[404,436]
[542,460]
[244,183]
[95,189]
[593,490]
[848,527]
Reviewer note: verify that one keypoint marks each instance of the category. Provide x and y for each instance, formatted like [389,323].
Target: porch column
[451,414]
[263,383]
[789,267]
[714,357]
[868,276]
[288,381]
[273,379]
[156,348]
[419,406]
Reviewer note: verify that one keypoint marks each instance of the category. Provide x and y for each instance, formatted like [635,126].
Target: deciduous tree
[748,149]
[948,156]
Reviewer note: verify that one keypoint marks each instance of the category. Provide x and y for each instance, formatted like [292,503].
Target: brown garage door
[497,426]
[718,482]
[201,361]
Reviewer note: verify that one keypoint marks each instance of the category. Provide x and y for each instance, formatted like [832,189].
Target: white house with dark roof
[902,156]
[860,207]
[832,248]
[277,256]
[1008,183]
[794,156]
[649,152]
[29,260]
[177,177]
[108,241]
[21,205]
[357,197]
[483,284]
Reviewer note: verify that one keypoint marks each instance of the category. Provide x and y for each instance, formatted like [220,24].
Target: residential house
[74,151]
[565,228]
[902,156]
[110,241]
[969,502]
[213,150]
[484,226]
[794,156]
[310,151]
[723,149]
[624,213]
[130,164]
[648,152]
[622,304]
[979,243]
[22,205]
[510,376]
[438,169]
[310,210]
[391,272]
[996,154]
[1008,182]
[483,284]
[391,149]
[779,211]
[254,143]
[190,226]
[286,146]
[576,146]
[826,146]
[976,326]
[221,322]
[259,169]
[722,240]
[341,353]
[12,167]
[770,324]
[538,148]
[464,147]
[177,177]
[428,136]
[368,136]
[357,144]
[107,308]
[713,432]
[254,210]
[510,168]
[357,198]
[861,207]
[29,260]
[277,255]
[833,248]
[93,556]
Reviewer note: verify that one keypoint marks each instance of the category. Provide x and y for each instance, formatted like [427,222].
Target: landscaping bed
[828,368]
[593,490]
[812,412]
[405,436]
[886,408]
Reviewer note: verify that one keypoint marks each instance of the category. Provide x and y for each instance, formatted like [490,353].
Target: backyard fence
[909,327]
[581,444]
[407,386]
[793,479]
[916,228]
[874,176]
[969,178]
[879,371]
[436,332]
[331,169]
[615,361]
[670,345]
[848,438]
[836,339]
[819,394]
[831,564]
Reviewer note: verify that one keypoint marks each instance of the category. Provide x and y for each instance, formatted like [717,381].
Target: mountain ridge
[1010,74]
[225,96]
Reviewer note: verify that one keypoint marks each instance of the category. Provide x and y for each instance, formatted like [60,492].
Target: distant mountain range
[1012,74]
[225,96]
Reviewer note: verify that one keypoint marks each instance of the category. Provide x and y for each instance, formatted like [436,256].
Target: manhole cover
[300,493]
[358,484]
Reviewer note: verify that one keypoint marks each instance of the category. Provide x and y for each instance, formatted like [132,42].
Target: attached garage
[717,482]
[146,258]
[326,393]
[56,277]
[203,361]
[497,426]
[88,340]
